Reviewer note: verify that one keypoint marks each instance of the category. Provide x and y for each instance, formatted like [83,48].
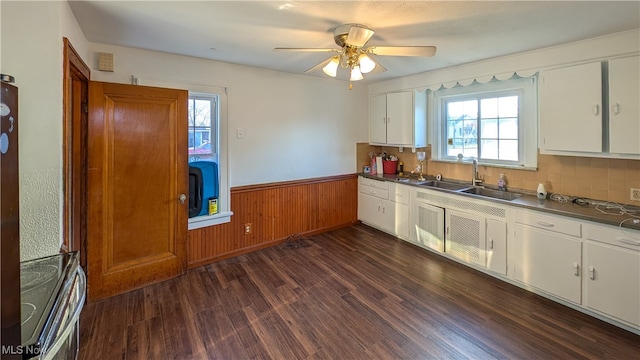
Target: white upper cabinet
[624,111]
[573,117]
[571,108]
[398,119]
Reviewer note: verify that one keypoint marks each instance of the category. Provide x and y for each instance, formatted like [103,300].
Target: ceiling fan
[353,56]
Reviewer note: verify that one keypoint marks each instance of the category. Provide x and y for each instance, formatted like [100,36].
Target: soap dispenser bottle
[502,183]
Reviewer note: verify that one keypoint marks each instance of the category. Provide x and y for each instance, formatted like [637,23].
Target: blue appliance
[203,186]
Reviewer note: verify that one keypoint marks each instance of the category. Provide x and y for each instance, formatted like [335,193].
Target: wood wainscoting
[276,211]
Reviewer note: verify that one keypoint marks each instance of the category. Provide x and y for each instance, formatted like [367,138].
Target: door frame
[76,76]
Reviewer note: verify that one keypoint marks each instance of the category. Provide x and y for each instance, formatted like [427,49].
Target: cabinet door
[428,226]
[497,246]
[624,111]
[571,108]
[369,208]
[613,281]
[465,237]
[400,118]
[399,195]
[378,119]
[548,261]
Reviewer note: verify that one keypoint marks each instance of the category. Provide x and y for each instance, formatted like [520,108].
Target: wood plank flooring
[353,293]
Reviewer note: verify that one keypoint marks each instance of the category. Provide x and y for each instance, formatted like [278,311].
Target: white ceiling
[245,32]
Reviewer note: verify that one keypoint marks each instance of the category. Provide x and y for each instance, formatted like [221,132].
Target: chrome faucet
[475,179]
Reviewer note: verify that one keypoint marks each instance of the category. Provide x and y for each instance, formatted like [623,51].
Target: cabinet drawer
[378,184]
[613,235]
[379,193]
[549,222]
[399,193]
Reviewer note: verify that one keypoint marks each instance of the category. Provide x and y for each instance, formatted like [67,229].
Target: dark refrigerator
[10,216]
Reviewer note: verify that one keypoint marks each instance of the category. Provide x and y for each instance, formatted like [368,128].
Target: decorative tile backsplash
[594,178]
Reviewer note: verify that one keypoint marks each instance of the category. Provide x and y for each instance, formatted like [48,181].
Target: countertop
[528,200]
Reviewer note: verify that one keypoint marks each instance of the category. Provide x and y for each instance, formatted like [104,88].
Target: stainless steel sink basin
[445,185]
[496,194]
[411,181]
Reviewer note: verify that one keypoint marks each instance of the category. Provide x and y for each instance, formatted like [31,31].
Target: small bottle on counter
[400,168]
[502,183]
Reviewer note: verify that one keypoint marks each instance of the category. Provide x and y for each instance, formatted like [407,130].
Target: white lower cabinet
[465,236]
[497,246]
[384,205]
[612,272]
[547,261]
[428,226]
[399,197]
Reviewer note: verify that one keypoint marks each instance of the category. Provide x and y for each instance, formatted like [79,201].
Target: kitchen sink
[445,185]
[411,181]
[496,194]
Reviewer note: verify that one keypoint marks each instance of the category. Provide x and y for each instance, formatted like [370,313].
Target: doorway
[76,75]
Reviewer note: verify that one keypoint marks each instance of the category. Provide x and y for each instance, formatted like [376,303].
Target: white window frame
[527,119]
[224,195]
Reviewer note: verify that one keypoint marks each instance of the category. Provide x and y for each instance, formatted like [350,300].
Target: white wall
[32,52]
[296,126]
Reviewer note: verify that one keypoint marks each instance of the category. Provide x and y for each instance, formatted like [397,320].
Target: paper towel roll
[379,168]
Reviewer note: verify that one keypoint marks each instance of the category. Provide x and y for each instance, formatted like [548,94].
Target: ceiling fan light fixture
[366,63]
[332,67]
[356,74]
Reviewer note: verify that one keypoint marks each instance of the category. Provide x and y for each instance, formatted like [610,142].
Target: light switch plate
[239,133]
[635,194]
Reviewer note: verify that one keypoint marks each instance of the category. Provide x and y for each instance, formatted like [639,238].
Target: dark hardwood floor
[354,293]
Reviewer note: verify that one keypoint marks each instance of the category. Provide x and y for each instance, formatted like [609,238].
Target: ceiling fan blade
[319,66]
[358,36]
[378,69]
[307,49]
[402,50]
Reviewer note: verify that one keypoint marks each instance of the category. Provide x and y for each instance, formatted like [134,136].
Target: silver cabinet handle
[576,269]
[615,109]
[592,273]
[544,223]
[630,242]
[182,198]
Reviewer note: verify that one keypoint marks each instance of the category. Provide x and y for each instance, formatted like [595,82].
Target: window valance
[478,79]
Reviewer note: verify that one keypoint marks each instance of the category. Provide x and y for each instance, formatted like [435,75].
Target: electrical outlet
[635,194]
[247,228]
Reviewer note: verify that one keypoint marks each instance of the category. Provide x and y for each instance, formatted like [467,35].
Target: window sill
[204,221]
[504,166]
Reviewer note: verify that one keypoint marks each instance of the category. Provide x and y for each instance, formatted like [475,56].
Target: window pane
[489,108]
[509,150]
[202,130]
[490,149]
[489,128]
[508,106]
[509,128]
[203,113]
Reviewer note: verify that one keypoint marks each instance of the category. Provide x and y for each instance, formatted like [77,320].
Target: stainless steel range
[52,291]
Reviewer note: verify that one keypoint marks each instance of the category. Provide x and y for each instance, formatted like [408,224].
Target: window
[203,126]
[494,122]
[207,119]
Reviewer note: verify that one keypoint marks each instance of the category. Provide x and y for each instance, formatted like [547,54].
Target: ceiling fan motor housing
[340,33]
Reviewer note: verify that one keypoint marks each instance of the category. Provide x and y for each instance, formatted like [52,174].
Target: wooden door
[137,171]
